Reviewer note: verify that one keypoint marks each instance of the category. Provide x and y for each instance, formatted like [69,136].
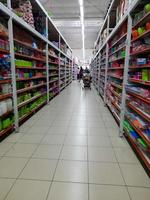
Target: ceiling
[66,16]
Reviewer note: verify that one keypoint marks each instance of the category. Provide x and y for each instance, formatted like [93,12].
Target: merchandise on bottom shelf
[5,106]
[6,123]
[6,115]
[27,109]
[136,139]
[24,97]
[139,124]
[140,105]
[53,93]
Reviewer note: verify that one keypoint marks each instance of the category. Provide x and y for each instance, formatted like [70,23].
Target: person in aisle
[78,71]
[87,71]
[80,74]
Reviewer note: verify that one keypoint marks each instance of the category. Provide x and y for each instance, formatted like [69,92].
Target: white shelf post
[125,76]
[13,71]
[47,62]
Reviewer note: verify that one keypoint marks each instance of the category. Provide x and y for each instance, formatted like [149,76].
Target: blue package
[141,61]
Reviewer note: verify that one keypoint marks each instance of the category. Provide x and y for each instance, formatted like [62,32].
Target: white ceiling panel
[66,16]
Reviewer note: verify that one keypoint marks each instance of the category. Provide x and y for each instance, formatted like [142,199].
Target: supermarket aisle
[70,151]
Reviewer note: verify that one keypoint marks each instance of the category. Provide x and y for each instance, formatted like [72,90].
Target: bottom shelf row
[25,110]
[138,137]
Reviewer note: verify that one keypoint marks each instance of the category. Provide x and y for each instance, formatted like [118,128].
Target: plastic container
[3,107]
[9,104]
[6,123]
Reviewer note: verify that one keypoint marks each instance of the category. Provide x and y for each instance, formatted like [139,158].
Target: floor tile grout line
[17,178]
[90,161]
[55,169]
[90,183]
[88,168]
[123,176]
[81,160]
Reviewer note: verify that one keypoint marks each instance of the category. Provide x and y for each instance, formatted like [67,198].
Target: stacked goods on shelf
[55,43]
[28,109]
[117,46]
[95,72]
[102,71]
[67,71]
[29,12]
[6,104]
[139,137]
[30,73]
[138,90]
[128,73]
[63,46]
[104,36]
[120,10]
[53,73]
[75,70]
[23,9]
[25,89]
[62,72]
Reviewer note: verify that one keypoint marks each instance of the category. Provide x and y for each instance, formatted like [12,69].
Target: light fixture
[82,27]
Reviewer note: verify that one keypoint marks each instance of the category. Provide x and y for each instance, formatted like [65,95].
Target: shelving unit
[74,70]
[124,72]
[32,51]
[6,100]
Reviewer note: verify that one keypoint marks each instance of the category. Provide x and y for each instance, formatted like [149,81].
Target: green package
[145,75]
[6,123]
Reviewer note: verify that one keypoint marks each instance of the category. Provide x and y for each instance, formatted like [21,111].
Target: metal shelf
[30,88]
[45,57]
[30,57]
[139,112]
[139,81]
[5,131]
[5,96]
[144,99]
[30,100]
[146,140]
[32,78]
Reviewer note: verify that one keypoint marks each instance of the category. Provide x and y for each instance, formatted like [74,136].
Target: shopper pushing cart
[86,79]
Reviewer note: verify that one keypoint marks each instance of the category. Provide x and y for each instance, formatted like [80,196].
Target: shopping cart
[87,80]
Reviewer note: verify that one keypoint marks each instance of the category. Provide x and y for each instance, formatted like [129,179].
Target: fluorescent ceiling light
[82,27]
[81,2]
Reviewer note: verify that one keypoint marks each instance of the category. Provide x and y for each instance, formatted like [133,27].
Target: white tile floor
[70,150]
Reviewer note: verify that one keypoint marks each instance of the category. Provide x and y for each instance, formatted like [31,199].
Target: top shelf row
[32,16]
[116,16]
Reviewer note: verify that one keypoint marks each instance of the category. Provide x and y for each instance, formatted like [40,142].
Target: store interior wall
[79,54]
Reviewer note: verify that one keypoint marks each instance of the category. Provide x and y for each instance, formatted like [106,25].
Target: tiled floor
[70,150]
